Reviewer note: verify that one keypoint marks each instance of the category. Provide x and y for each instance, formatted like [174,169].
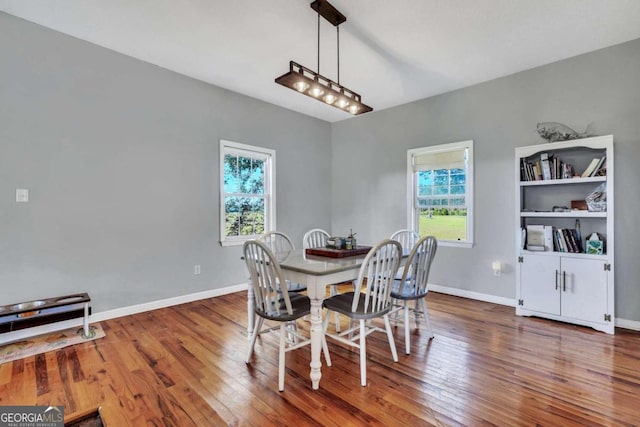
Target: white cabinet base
[607,327]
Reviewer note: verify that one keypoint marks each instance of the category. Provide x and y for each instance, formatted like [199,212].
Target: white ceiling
[391,52]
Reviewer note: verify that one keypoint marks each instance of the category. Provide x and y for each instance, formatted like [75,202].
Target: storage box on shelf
[558,280]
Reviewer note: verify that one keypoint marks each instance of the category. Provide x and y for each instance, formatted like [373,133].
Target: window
[247,199]
[440,192]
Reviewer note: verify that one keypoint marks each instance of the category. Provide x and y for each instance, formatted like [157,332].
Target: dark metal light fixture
[315,85]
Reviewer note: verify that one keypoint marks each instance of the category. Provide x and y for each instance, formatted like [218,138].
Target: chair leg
[417,311]
[423,302]
[332,292]
[395,302]
[281,355]
[325,351]
[407,328]
[292,326]
[325,322]
[392,344]
[251,314]
[254,335]
[363,354]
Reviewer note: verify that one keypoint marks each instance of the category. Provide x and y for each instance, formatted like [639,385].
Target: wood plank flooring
[184,366]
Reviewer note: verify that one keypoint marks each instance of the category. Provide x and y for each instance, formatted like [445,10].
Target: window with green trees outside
[441,192]
[246,192]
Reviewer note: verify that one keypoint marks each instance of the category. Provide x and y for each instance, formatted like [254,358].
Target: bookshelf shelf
[565,254]
[562,282]
[565,181]
[572,214]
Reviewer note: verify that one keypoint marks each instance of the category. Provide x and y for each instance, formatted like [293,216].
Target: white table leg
[315,291]
[316,343]
[316,288]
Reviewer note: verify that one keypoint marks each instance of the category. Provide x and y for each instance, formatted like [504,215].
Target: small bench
[44,311]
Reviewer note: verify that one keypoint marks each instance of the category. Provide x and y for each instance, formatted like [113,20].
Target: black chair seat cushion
[404,291]
[300,305]
[342,304]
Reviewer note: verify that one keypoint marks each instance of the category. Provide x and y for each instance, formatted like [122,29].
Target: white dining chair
[317,238]
[412,286]
[273,302]
[407,238]
[281,245]
[372,300]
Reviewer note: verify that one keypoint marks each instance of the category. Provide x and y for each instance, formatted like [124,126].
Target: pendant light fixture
[315,85]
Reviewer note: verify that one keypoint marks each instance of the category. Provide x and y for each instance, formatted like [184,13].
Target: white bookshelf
[566,286]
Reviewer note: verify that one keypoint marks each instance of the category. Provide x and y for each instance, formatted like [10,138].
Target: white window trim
[269,189]
[411,187]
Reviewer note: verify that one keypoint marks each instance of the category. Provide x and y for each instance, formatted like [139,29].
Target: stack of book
[567,240]
[548,167]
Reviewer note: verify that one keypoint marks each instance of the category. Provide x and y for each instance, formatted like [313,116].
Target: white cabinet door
[584,289]
[540,283]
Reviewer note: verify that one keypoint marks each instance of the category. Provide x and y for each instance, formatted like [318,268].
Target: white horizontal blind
[454,159]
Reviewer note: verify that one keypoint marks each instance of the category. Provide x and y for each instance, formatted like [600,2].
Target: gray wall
[121,161]
[601,87]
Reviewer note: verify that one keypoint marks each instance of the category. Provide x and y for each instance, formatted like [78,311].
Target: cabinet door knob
[557,273]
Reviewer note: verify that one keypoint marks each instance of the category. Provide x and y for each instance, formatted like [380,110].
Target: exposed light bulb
[316,91]
[329,98]
[353,109]
[301,86]
[342,102]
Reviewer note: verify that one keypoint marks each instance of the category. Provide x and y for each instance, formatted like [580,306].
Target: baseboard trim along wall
[620,323]
[154,305]
[472,295]
[119,312]
[628,324]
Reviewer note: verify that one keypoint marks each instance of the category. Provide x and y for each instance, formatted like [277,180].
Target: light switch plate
[22,195]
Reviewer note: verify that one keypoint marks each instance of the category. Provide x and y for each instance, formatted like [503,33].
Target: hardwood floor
[184,366]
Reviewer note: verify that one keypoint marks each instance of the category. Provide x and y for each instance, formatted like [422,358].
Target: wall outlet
[196,269]
[22,195]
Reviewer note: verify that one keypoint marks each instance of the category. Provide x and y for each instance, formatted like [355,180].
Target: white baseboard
[620,323]
[182,299]
[472,295]
[154,305]
[628,324]
[21,334]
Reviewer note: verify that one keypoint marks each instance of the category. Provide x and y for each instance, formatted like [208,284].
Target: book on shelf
[535,237]
[556,241]
[575,239]
[559,237]
[572,247]
[567,170]
[589,170]
[539,238]
[602,162]
[546,167]
[567,240]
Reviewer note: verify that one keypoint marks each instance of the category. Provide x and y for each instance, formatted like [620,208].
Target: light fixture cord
[338,50]
[318,42]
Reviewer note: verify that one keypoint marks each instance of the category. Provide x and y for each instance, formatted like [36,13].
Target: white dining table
[316,272]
